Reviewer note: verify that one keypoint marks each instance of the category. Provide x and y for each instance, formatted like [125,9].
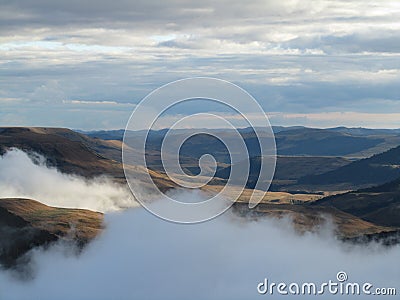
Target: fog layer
[20,177]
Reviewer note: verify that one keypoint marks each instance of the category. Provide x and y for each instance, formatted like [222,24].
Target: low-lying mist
[21,177]
[139,256]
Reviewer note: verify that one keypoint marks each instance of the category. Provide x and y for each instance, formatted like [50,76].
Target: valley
[345,180]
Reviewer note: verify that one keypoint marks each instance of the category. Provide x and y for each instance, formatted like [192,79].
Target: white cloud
[53,188]
[50,92]
[140,256]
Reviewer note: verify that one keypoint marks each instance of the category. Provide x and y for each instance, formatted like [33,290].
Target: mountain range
[351,175]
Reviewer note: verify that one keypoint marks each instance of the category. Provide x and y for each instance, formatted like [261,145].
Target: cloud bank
[20,177]
[142,257]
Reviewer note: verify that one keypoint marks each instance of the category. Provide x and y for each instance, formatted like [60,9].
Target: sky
[86,64]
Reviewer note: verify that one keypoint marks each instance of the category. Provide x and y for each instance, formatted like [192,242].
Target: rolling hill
[69,151]
[320,142]
[26,223]
[293,141]
[73,153]
[375,170]
[379,204]
[309,159]
[310,218]
[289,168]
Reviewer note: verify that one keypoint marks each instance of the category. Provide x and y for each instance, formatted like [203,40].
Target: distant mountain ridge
[364,131]
[289,168]
[294,140]
[337,144]
[322,142]
[117,134]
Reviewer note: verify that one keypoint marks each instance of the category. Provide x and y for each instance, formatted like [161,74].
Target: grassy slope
[82,224]
[65,149]
[380,204]
[305,216]
[25,224]
[309,218]
[378,169]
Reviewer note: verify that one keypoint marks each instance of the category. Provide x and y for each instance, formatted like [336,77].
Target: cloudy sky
[85,64]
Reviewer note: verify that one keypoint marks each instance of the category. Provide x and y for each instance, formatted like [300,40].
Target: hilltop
[26,223]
